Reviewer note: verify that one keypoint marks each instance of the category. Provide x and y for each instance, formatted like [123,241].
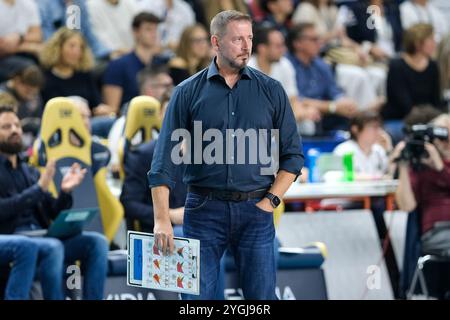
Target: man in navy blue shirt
[315,79]
[26,204]
[231,197]
[120,79]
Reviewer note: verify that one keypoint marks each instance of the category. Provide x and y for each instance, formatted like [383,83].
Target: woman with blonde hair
[413,79]
[68,62]
[192,54]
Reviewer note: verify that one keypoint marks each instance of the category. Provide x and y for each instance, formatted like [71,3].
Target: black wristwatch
[274,200]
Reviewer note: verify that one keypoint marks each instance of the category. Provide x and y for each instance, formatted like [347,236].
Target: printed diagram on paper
[178,272]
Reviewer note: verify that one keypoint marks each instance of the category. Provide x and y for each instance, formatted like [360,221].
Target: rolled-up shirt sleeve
[163,168]
[291,157]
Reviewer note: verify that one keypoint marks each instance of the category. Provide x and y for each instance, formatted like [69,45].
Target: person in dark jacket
[136,197]
[26,204]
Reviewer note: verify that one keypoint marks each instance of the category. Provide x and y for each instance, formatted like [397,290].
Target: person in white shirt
[176,15]
[20,32]
[423,11]
[269,49]
[369,145]
[111,23]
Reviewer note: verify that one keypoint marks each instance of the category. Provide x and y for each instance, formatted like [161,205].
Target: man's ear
[215,42]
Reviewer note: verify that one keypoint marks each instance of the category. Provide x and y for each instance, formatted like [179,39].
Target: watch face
[276,201]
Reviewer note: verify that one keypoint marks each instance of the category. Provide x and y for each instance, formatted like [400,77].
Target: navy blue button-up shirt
[255,102]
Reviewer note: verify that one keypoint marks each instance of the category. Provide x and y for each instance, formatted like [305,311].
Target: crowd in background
[360,66]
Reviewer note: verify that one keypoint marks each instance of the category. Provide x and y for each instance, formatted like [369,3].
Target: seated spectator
[120,78]
[26,204]
[154,82]
[21,254]
[384,39]
[68,62]
[269,49]
[111,24]
[175,16]
[423,11]
[427,191]
[136,196]
[315,81]
[413,79]
[278,14]
[192,55]
[24,86]
[213,7]
[322,13]
[370,34]
[369,144]
[20,34]
[73,14]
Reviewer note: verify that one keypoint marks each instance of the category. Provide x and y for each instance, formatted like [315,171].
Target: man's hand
[103,110]
[10,43]
[434,161]
[265,205]
[47,176]
[346,107]
[73,178]
[164,236]
[384,139]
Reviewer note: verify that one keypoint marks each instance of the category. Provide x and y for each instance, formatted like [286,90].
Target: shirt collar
[214,71]
[4,161]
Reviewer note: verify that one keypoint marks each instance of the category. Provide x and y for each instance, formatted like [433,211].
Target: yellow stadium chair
[277,213]
[143,117]
[65,139]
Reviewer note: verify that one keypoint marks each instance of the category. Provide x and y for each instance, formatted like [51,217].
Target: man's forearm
[282,183]
[160,196]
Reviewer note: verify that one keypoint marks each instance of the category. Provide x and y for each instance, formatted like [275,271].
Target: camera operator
[428,189]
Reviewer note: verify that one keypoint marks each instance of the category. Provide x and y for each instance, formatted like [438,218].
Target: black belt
[225,195]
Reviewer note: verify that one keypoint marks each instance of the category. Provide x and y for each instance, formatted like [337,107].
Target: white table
[362,190]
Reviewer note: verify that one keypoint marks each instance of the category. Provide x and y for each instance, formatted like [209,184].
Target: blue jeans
[90,248]
[243,228]
[101,125]
[23,254]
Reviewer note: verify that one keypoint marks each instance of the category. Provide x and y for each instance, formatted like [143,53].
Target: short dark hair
[296,32]
[30,75]
[150,72]
[362,119]
[421,114]
[143,17]
[264,4]
[261,35]
[6,109]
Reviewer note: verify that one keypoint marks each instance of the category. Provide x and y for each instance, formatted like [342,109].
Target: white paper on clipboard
[148,268]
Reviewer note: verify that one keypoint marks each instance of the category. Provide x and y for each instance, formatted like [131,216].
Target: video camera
[416,136]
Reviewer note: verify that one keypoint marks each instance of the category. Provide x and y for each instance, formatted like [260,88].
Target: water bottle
[313,156]
[347,161]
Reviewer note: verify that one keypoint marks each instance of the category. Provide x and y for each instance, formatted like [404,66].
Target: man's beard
[233,64]
[10,147]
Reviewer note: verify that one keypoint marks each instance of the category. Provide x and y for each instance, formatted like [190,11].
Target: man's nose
[246,45]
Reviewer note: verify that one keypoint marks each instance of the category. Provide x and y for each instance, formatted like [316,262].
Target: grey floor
[354,268]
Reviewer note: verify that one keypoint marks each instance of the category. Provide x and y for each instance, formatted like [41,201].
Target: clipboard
[148,268]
